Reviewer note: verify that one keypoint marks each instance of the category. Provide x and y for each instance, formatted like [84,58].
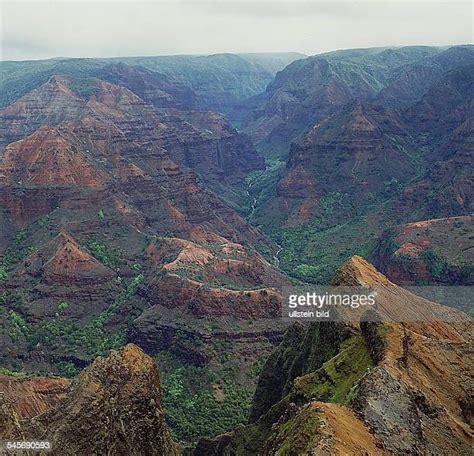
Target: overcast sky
[33,30]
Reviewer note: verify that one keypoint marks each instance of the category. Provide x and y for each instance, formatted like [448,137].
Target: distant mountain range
[215,82]
[361,141]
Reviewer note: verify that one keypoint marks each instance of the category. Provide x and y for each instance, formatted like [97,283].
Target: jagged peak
[114,407]
[64,237]
[56,88]
[65,242]
[395,304]
[357,271]
[129,358]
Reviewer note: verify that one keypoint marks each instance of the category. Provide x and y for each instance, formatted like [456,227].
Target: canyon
[153,210]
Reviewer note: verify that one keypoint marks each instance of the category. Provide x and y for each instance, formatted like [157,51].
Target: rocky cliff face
[114,406]
[51,103]
[202,283]
[87,194]
[306,92]
[354,151]
[207,144]
[390,380]
[310,90]
[77,154]
[446,188]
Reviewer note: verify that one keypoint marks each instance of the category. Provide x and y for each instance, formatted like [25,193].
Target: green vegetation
[393,187]
[18,250]
[85,88]
[3,270]
[299,434]
[197,273]
[391,245]
[113,258]
[312,255]
[200,404]
[436,264]
[10,373]
[262,185]
[12,299]
[63,306]
[19,330]
[83,339]
[313,249]
[15,373]
[335,379]
[67,369]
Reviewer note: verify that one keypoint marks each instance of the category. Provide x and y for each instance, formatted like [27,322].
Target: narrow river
[253,207]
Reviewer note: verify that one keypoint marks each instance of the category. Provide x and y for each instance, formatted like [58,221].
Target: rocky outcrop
[70,263]
[206,290]
[188,314]
[159,330]
[114,406]
[323,429]
[45,158]
[63,271]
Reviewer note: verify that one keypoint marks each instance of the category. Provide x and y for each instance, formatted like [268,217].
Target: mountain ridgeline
[165,203]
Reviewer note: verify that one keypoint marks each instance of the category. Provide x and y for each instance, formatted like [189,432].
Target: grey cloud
[93,29]
[275,9]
